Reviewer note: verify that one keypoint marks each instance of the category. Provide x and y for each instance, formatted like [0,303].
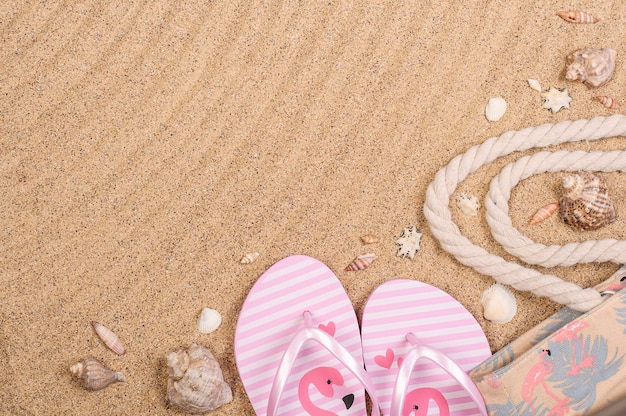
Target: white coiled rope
[446,180]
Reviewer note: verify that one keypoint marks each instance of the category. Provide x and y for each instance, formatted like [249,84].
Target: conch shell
[196,384]
[594,67]
[94,375]
[586,205]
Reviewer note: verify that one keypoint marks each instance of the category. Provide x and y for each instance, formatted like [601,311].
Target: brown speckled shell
[594,67]
[586,205]
[94,375]
[196,384]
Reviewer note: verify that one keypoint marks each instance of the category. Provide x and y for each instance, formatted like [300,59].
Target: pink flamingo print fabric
[318,383]
[399,307]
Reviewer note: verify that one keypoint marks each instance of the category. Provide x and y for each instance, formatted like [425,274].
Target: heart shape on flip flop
[329,328]
[386,360]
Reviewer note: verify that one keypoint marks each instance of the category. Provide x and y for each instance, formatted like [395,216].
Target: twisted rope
[522,247]
[446,180]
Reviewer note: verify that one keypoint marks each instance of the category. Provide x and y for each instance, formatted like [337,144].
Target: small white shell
[534,84]
[499,304]
[554,99]
[468,204]
[209,320]
[495,109]
[249,258]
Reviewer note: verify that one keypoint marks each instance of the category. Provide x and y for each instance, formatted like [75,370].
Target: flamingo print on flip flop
[417,400]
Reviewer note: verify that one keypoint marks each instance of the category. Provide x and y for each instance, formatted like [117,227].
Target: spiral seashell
[586,204]
[94,375]
[499,304]
[577,16]
[195,383]
[109,338]
[594,67]
[607,101]
[369,239]
[209,320]
[249,258]
[544,213]
[361,262]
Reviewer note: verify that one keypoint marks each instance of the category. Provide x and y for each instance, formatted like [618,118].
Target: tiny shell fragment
[577,16]
[607,101]
[409,242]
[361,262]
[468,204]
[499,304]
[109,338]
[534,84]
[495,109]
[544,213]
[249,258]
[369,239]
[209,320]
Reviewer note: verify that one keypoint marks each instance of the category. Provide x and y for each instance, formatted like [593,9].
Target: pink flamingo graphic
[570,332]
[324,379]
[536,376]
[416,402]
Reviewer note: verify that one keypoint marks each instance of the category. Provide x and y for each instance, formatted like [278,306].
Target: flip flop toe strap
[406,368]
[310,332]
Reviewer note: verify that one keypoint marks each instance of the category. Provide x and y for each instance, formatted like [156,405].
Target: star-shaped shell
[554,99]
[409,242]
[586,204]
[594,67]
[468,204]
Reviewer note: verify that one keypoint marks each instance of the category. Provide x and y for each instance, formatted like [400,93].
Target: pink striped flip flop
[418,344]
[297,343]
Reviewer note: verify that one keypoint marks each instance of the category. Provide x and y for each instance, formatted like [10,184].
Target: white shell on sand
[209,320]
[409,242]
[468,204]
[495,109]
[554,99]
[534,84]
[499,304]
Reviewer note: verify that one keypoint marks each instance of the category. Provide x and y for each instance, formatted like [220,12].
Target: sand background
[145,147]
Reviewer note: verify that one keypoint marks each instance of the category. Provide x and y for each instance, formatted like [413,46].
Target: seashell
[249,258]
[607,101]
[499,304]
[369,239]
[409,242]
[468,204]
[495,109]
[361,262]
[109,338]
[594,67]
[577,16]
[586,204]
[209,320]
[195,383]
[554,99]
[544,213]
[534,84]
[94,375]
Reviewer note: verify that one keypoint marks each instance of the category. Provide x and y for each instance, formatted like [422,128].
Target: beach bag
[572,363]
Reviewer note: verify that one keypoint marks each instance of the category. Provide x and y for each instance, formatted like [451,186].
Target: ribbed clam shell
[577,16]
[369,239]
[249,258]
[361,262]
[195,383]
[586,204]
[94,375]
[607,101]
[499,304]
[209,320]
[544,213]
[594,67]
[109,338]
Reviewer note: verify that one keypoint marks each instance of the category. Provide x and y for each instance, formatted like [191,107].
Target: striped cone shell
[361,262]
[109,338]
[607,101]
[577,16]
[544,213]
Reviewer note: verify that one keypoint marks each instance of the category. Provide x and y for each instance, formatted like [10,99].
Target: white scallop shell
[468,204]
[209,320]
[499,304]
[495,109]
